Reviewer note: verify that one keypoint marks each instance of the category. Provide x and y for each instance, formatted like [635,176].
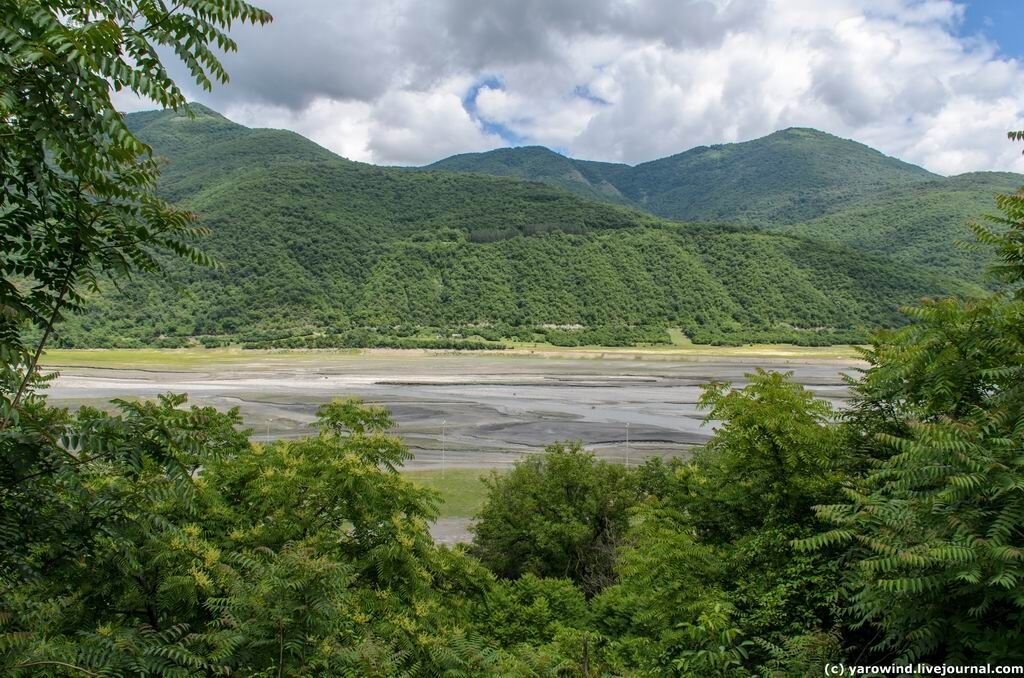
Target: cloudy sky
[935,82]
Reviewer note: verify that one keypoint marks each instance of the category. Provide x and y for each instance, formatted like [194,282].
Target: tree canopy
[154,538]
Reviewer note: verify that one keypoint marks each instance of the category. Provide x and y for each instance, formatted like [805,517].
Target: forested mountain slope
[536,163]
[797,180]
[312,244]
[917,223]
[790,176]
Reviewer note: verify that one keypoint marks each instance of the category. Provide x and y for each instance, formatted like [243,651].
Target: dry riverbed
[458,411]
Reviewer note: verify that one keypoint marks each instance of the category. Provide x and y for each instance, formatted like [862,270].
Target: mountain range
[798,180]
[789,176]
[799,236]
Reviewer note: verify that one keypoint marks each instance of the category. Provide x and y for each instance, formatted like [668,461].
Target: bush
[558,514]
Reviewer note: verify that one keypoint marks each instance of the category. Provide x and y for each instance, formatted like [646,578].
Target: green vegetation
[797,181]
[917,223]
[157,540]
[536,163]
[341,254]
[460,491]
[787,177]
[708,580]
[558,515]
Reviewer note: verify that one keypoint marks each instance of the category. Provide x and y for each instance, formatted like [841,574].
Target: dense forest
[786,177]
[337,253]
[799,181]
[155,539]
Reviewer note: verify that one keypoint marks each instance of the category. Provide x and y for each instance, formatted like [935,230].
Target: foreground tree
[77,189]
[558,514]
[935,530]
[77,204]
[709,583]
[296,558]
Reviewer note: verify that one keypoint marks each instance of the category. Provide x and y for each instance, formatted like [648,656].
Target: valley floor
[462,414]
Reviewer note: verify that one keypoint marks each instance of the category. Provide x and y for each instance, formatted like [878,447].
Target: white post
[444,423]
[627,444]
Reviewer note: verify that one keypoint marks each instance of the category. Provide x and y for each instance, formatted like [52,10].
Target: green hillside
[536,163]
[798,181]
[917,223]
[318,250]
[787,177]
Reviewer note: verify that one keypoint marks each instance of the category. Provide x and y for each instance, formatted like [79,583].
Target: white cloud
[549,121]
[342,126]
[626,80]
[420,127]
[401,127]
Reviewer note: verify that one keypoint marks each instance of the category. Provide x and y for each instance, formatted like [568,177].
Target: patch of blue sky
[506,134]
[999,21]
[583,92]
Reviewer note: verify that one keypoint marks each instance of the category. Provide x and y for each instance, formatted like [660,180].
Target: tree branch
[34,362]
[42,662]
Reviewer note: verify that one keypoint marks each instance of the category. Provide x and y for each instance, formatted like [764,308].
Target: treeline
[797,337]
[607,335]
[483,337]
[364,339]
[718,284]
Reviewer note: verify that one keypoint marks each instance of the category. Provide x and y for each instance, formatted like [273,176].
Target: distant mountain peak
[788,176]
[533,148]
[505,152]
[803,132]
[199,110]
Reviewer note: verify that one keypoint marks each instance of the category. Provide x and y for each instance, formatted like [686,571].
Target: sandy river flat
[492,408]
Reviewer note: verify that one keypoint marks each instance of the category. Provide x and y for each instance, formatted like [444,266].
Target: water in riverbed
[471,410]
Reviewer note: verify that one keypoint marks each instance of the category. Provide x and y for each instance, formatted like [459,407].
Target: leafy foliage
[559,514]
[771,460]
[707,576]
[192,551]
[917,223]
[933,527]
[1007,239]
[530,611]
[77,195]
